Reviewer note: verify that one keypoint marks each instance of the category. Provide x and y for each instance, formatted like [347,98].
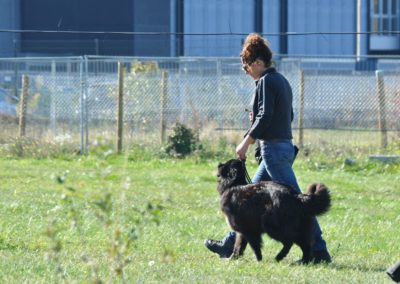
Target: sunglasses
[245,66]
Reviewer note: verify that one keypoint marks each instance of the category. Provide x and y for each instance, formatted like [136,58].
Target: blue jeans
[276,165]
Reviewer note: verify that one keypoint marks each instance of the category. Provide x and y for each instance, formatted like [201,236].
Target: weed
[121,237]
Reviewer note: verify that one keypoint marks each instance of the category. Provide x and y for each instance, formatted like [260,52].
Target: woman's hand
[251,116]
[242,148]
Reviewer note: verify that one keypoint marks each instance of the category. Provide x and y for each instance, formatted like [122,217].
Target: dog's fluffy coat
[269,207]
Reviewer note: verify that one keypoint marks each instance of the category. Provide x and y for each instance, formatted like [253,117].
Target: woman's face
[255,69]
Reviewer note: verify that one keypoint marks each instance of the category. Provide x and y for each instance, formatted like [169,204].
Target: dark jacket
[272,107]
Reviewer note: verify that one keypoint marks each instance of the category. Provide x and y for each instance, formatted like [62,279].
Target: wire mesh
[73,101]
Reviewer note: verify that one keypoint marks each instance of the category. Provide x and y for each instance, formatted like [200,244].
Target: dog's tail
[317,201]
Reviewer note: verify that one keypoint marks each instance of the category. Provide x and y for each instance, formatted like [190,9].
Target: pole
[382,107]
[81,107]
[120,117]
[23,105]
[85,102]
[301,110]
[358,37]
[53,98]
[163,103]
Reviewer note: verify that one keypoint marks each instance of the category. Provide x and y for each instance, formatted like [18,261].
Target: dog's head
[230,174]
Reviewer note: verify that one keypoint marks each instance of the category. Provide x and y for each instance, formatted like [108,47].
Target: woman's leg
[223,248]
[261,174]
[278,159]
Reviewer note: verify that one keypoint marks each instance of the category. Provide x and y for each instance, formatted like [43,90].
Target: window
[384,16]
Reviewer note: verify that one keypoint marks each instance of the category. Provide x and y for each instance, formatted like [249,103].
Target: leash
[246,174]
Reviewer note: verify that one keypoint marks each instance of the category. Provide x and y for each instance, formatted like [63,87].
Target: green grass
[362,228]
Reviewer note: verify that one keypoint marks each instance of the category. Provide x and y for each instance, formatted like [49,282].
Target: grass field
[120,218]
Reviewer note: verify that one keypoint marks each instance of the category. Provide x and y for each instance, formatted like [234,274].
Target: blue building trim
[283,26]
[258,16]
[179,22]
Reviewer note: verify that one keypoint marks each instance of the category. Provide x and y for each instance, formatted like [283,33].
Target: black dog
[269,207]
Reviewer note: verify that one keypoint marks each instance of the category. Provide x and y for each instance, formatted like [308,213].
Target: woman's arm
[244,146]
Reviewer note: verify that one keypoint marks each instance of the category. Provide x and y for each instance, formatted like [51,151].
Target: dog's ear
[219,170]
[222,170]
[239,166]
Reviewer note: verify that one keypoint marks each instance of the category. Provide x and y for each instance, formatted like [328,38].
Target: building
[98,16]
[199,28]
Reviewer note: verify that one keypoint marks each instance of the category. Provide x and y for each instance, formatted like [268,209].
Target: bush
[182,142]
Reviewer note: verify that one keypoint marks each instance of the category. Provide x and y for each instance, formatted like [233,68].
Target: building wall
[224,16]
[151,16]
[9,19]
[76,15]
[96,15]
[271,23]
[216,16]
[321,16]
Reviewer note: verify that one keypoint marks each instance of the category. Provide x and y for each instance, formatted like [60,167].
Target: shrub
[182,141]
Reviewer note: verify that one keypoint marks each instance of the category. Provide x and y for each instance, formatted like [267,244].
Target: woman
[271,119]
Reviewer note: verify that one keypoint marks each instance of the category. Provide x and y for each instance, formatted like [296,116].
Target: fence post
[163,104]
[23,105]
[301,110]
[220,96]
[82,82]
[86,98]
[83,119]
[53,98]
[382,107]
[120,118]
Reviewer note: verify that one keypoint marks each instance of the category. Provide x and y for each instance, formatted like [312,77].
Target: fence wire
[72,102]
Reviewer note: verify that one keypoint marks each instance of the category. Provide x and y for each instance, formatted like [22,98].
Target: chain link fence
[72,102]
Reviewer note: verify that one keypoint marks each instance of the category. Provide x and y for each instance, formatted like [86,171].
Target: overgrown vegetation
[31,148]
[184,142]
[120,237]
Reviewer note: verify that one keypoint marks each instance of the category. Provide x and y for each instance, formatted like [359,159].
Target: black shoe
[223,248]
[321,256]
[394,272]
